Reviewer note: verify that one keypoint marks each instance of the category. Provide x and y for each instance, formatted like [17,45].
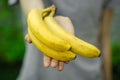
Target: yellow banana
[79,46]
[62,56]
[38,28]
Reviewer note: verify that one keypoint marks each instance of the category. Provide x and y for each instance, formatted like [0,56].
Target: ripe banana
[62,56]
[79,46]
[42,33]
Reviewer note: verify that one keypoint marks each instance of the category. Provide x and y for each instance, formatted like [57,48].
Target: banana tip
[99,55]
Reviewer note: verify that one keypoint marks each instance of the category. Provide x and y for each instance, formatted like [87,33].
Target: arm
[27,5]
[105,42]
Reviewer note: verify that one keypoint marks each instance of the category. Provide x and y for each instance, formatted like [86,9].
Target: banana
[39,29]
[79,46]
[62,56]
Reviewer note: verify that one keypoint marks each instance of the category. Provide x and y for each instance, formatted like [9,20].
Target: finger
[60,66]
[54,63]
[67,62]
[27,38]
[47,61]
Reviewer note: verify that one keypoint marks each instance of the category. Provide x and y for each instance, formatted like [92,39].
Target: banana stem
[48,10]
[45,12]
[53,9]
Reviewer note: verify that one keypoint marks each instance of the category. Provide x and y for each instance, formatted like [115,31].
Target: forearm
[27,5]
[105,41]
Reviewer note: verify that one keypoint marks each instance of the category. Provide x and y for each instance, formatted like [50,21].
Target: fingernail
[60,69]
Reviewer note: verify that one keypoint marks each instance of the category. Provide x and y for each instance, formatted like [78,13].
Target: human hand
[66,23]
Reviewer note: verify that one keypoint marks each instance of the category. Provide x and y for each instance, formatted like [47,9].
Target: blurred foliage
[115,38]
[115,53]
[9,71]
[12,46]
[116,60]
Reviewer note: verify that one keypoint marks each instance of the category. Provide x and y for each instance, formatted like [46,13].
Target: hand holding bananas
[50,38]
[48,61]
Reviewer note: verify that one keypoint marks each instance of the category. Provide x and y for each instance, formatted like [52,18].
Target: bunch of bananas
[50,38]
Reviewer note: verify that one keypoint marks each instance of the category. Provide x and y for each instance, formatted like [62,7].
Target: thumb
[27,38]
[66,23]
